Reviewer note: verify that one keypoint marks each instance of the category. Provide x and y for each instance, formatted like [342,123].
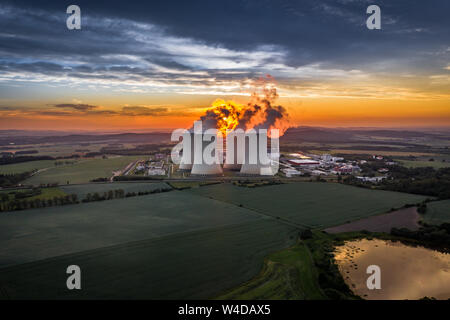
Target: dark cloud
[103,112]
[167,62]
[78,107]
[35,67]
[4,108]
[52,113]
[34,37]
[77,110]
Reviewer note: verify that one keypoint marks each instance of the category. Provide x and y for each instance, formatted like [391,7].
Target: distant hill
[157,137]
[295,134]
[330,135]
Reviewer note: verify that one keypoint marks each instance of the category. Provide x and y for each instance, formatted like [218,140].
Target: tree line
[23,204]
[432,235]
[7,204]
[19,159]
[11,180]
[421,180]
[119,194]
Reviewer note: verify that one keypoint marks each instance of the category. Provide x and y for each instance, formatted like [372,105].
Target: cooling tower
[235,150]
[200,166]
[188,157]
[253,164]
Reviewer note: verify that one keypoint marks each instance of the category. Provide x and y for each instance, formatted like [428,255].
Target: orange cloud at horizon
[331,112]
[370,112]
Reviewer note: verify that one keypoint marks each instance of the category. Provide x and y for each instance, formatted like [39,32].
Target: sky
[149,65]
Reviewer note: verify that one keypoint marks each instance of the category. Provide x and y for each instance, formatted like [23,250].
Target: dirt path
[403,218]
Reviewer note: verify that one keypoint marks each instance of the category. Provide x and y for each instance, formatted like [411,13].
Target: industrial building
[289,172]
[306,163]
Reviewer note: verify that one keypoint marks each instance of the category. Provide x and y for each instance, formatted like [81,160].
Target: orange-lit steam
[259,113]
[227,114]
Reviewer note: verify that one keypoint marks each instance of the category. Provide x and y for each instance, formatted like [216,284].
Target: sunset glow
[155,71]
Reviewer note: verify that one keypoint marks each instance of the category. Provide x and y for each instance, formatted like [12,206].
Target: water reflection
[406,272]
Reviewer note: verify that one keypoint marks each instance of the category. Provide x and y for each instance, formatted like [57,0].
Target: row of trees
[119,194]
[23,204]
[61,163]
[432,235]
[20,194]
[11,180]
[18,159]
[109,195]
[421,180]
[427,181]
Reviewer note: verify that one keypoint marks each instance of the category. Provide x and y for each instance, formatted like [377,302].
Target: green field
[49,232]
[437,212]
[46,193]
[49,193]
[81,190]
[289,274]
[316,205]
[377,152]
[304,271]
[135,248]
[83,171]
[191,184]
[26,166]
[62,149]
[416,164]
[193,244]
[194,265]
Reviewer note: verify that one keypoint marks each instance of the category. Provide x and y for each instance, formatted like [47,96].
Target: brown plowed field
[403,218]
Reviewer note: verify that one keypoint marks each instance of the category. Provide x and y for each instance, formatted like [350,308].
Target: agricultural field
[316,205]
[81,190]
[136,248]
[226,238]
[437,212]
[60,149]
[82,171]
[63,150]
[404,218]
[289,274]
[381,152]
[46,193]
[416,164]
[19,199]
[193,265]
[53,231]
[26,166]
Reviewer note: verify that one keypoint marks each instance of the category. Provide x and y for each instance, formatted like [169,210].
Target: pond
[406,272]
